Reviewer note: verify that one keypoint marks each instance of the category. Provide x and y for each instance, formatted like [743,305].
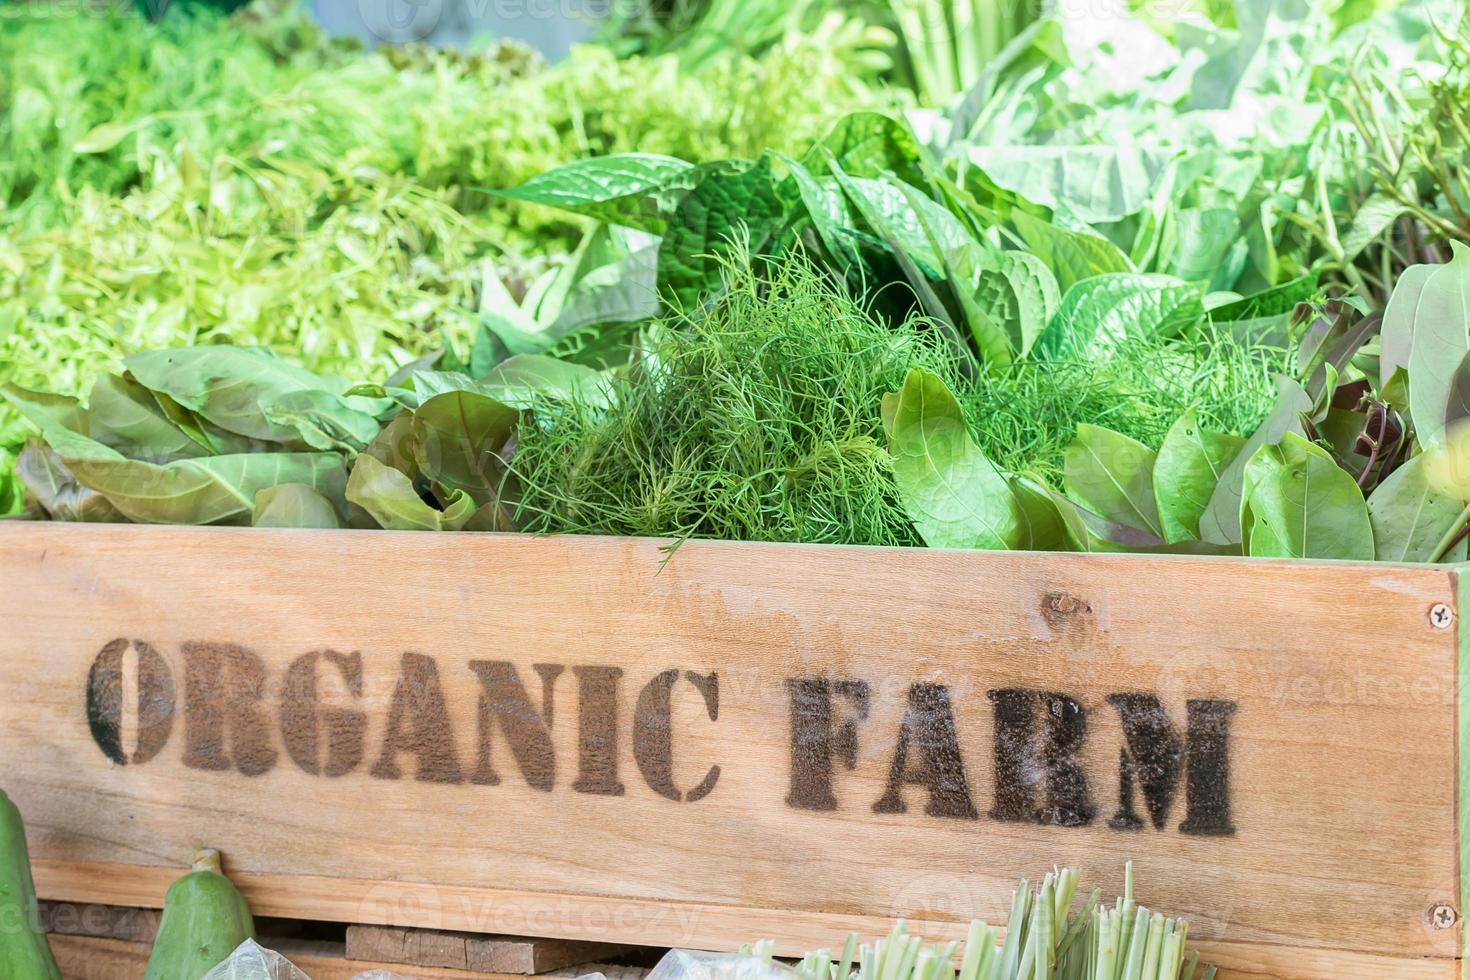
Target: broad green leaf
[1098,315]
[908,220]
[638,190]
[1298,503]
[1220,523]
[1020,295]
[525,379]
[725,206]
[1398,320]
[1087,531]
[232,387]
[294,505]
[870,145]
[1042,526]
[1207,247]
[125,416]
[1410,517]
[1097,184]
[1070,255]
[459,442]
[48,412]
[1441,340]
[826,207]
[1112,475]
[51,485]
[1372,218]
[624,292]
[1276,301]
[323,420]
[388,497]
[901,218]
[210,490]
[954,495]
[1190,465]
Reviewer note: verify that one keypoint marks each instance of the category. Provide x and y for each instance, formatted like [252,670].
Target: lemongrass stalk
[849,952]
[946,953]
[1106,966]
[1137,945]
[1016,930]
[922,966]
[1190,964]
[1155,945]
[1066,891]
[1079,926]
[904,970]
[1171,958]
[975,941]
[988,966]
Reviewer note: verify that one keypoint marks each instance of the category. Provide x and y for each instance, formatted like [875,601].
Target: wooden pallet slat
[515,955]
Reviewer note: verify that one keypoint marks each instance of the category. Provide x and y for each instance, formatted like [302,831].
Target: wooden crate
[571,737]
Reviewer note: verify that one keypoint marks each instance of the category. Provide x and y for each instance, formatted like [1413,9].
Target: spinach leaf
[1441,341]
[209,490]
[1190,466]
[294,505]
[1097,184]
[1113,475]
[870,145]
[1410,516]
[1220,523]
[1298,503]
[954,494]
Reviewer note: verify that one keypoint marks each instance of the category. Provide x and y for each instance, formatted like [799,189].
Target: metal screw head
[1443,917]
[1441,616]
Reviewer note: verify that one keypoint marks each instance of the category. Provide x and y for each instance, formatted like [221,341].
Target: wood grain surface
[407,786]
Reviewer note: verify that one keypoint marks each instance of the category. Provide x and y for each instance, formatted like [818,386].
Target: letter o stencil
[156,702]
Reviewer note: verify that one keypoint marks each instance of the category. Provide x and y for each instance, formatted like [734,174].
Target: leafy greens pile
[248,181]
[1187,291]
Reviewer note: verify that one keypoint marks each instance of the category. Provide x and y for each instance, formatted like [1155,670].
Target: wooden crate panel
[570,737]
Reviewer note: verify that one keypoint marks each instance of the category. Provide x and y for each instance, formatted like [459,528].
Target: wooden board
[891,732]
[515,955]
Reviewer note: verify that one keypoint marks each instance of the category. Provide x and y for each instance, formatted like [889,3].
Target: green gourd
[24,952]
[204,919]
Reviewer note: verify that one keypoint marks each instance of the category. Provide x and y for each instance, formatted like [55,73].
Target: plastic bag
[687,964]
[252,962]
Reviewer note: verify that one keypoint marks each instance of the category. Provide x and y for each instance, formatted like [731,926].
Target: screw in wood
[1441,616]
[1443,917]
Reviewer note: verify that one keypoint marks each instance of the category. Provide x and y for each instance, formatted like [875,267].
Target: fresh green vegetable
[24,952]
[1044,940]
[204,919]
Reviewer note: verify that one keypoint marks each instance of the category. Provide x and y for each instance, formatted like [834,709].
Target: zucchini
[204,919]
[24,952]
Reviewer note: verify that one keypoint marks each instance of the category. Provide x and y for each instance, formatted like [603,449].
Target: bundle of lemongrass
[1043,941]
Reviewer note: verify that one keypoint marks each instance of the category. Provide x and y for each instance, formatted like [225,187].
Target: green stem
[1448,540]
